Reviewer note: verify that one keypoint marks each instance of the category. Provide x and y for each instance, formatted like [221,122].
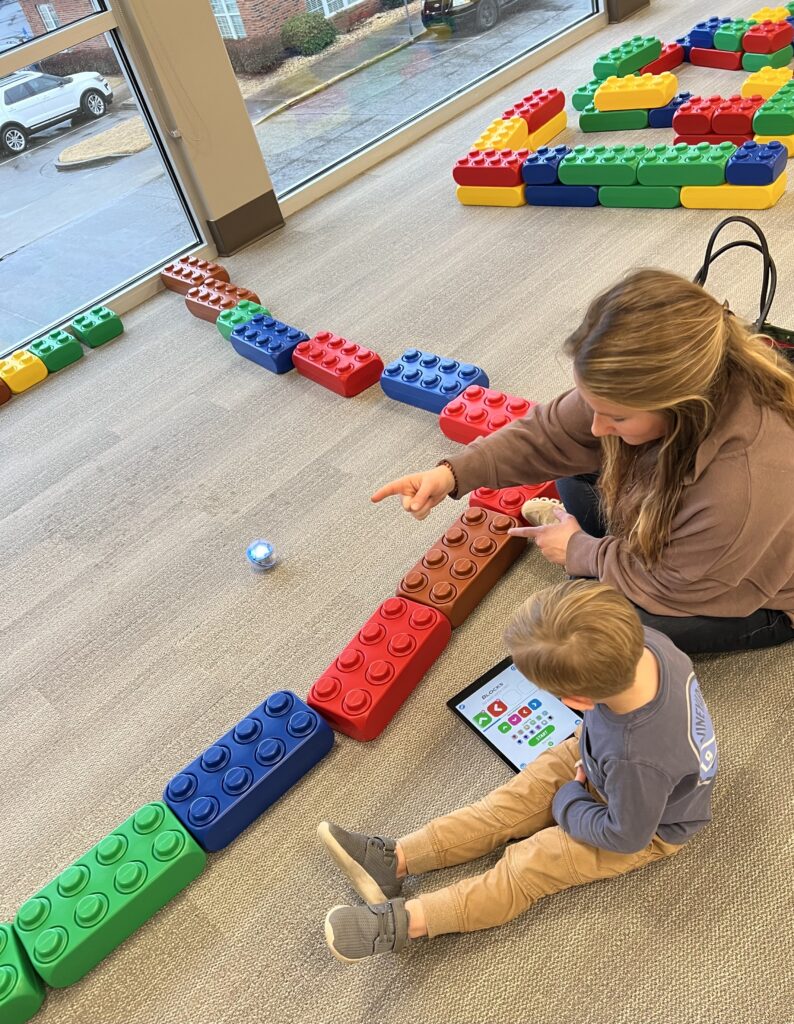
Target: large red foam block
[510,500]
[726,60]
[671,56]
[694,117]
[768,37]
[710,137]
[362,690]
[734,116]
[337,364]
[538,108]
[490,167]
[479,411]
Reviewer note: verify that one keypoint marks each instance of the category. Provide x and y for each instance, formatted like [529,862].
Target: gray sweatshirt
[655,766]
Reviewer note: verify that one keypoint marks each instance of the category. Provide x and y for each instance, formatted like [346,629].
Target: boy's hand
[552,540]
[580,775]
[420,492]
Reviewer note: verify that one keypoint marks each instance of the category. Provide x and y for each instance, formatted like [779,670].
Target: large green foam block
[776,116]
[239,314]
[97,327]
[639,197]
[729,36]
[601,165]
[82,915]
[702,164]
[583,96]
[778,59]
[21,989]
[57,349]
[627,58]
[592,120]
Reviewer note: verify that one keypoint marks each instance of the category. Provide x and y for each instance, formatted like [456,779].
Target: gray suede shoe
[354,933]
[370,862]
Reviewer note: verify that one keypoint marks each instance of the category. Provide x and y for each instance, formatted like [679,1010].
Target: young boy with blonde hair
[630,789]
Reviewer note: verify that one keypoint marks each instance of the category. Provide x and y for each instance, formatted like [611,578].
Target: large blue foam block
[227,787]
[702,35]
[561,195]
[662,117]
[686,43]
[756,163]
[429,381]
[268,342]
[540,167]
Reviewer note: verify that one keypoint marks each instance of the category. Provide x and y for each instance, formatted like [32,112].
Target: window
[48,16]
[44,83]
[23,20]
[434,51]
[227,14]
[329,7]
[17,93]
[69,240]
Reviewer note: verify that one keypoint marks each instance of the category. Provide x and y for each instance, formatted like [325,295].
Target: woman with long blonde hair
[674,459]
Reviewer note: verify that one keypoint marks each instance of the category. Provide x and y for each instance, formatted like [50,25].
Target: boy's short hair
[580,638]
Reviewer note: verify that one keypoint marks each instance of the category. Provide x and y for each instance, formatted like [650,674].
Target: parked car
[479,15]
[31,101]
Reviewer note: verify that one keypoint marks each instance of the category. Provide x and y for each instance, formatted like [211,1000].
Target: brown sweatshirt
[731,548]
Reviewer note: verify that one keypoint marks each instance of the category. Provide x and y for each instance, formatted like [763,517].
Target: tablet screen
[513,715]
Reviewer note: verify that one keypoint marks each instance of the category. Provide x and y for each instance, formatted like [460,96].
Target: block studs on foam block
[364,687]
[76,920]
[223,790]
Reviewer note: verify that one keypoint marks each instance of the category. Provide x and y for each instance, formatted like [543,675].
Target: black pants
[695,634]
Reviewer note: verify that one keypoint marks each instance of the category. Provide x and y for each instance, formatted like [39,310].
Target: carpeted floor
[133,633]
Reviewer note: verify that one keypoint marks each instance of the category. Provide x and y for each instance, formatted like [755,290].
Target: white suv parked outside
[31,101]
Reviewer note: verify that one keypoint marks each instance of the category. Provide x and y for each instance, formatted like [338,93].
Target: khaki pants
[549,860]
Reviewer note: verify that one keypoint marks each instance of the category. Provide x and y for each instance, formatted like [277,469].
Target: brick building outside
[237,19]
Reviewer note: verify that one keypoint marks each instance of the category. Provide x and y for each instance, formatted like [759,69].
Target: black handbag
[779,338]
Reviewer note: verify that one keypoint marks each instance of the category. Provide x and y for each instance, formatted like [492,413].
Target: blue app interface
[519,718]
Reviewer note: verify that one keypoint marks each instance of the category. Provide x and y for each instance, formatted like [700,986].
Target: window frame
[36,83]
[26,95]
[230,13]
[49,17]
[331,7]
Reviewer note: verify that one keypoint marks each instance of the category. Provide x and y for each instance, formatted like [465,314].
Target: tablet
[513,715]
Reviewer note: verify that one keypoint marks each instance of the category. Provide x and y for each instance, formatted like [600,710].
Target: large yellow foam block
[770,14]
[548,131]
[486,195]
[733,197]
[636,92]
[787,140]
[510,133]
[21,370]
[766,82]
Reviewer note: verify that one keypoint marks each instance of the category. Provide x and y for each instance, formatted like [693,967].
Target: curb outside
[97,161]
